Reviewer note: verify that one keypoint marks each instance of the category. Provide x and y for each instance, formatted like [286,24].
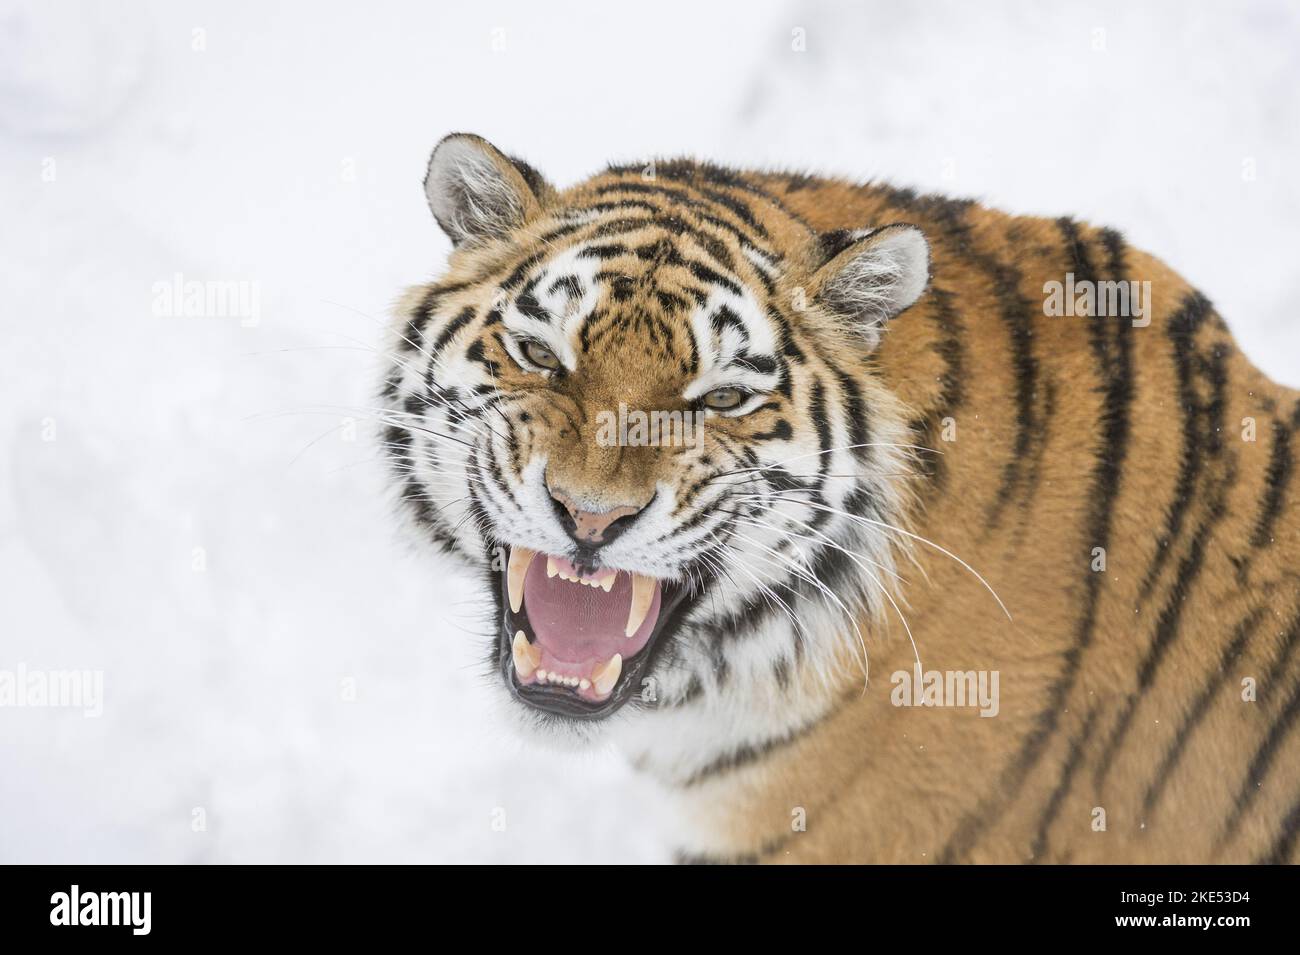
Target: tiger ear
[477,192]
[873,275]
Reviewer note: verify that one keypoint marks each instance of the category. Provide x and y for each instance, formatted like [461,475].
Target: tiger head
[646,408]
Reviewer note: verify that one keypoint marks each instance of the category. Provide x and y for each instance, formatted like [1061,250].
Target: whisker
[768,594]
[809,578]
[386,418]
[857,559]
[845,447]
[909,534]
[382,323]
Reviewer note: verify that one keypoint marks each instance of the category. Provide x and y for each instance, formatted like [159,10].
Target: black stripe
[1098,331]
[718,251]
[1279,665]
[413,337]
[1016,316]
[560,231]
[694,690]
[671,302]
[698,206]
[610,250]
[1262,762]
[665,252]
[950,348]
[512,281]
[497,478]
[797,181]
[747,755]
[1281,464]
[831,244]
[1107,474]
[392,383]
[712,277]
[528,306]
[1280,852]
[780,431]
[690,171]
[723,318]
[701,176]
[420,316]
[1168,624]
[820,420]
[448,330]
[478,354]
[855,410]
[789,348]
[763,364]
[1054,803]
[1199,708]
[620,204]
[739,209]
[569,284]
[398,443]
[659,251]
[1181,330]
[1082,265]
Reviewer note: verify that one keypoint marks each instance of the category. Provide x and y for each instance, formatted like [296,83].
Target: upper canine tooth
[551,569]
[526,656]
[608,583]
[604,677]
[520,558]
[643,592]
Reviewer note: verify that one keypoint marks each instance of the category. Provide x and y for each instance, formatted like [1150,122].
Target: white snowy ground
[288,152]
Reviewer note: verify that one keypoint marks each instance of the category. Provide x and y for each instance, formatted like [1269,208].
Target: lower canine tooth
[643,593]
[526,656]
[604,677]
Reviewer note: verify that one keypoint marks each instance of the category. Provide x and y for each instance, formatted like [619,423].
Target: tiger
[901,455]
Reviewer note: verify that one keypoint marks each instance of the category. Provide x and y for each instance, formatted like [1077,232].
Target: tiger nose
[592,528]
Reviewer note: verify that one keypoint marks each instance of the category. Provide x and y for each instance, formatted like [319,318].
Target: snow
[184,503]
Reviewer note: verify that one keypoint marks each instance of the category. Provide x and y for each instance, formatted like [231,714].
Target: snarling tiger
[871,526]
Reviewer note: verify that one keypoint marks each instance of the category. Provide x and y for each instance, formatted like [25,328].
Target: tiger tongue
[584,625]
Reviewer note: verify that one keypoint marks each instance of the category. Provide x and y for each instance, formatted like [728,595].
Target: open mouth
[575,642]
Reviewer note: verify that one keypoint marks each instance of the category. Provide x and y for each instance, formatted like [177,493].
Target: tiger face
[646,408]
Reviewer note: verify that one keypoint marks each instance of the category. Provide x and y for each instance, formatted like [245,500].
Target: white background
[289,152]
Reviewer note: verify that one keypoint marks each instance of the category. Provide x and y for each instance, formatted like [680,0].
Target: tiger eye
[541,356]
[724,399]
